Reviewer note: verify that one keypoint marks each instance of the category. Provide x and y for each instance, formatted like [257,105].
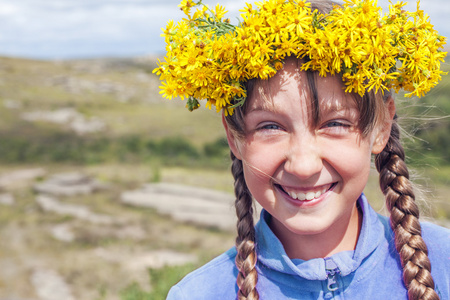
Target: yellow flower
[301,20]
[219,12]
[278,65]
[169,30]
[255,25]
[199,13]
[264,49]
[186,5]
[210,59]
[287,46]
[262,71]
[190,60]
[168,90]
[199,78]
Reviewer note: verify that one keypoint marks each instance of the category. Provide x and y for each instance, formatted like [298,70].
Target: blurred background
[107,191]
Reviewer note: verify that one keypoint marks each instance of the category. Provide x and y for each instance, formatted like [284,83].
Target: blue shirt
[371,271]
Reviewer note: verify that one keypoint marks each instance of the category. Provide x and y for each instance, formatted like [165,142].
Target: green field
[144,138]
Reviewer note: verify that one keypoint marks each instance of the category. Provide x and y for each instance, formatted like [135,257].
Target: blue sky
[59,29]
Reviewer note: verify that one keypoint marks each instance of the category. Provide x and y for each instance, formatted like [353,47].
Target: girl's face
[308,177]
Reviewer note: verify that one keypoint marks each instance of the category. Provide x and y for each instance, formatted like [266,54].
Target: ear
[232,141]
[384,130]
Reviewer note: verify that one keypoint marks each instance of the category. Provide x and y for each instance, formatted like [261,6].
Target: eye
[270,127]
[336,127]
[335,123]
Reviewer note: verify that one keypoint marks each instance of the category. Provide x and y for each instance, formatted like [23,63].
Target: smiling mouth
[307,195]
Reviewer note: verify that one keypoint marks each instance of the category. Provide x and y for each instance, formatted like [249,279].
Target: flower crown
[208,58]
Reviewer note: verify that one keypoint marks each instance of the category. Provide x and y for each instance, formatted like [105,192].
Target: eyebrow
[336,105]
[259,108]
[322,108]
[265,106]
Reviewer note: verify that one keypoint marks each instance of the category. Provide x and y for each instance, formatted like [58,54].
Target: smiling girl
[306,104]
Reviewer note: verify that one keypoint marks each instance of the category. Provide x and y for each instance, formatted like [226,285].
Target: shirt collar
[271,252]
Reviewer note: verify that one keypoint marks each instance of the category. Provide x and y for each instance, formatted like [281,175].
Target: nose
[303,158]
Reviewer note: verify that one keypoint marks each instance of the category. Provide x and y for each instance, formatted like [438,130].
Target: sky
[65,29]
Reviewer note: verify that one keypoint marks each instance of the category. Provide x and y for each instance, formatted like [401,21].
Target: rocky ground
[69,236]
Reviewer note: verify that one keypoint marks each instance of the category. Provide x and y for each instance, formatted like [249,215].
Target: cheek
[258,182]
[264,158]
[259,169]
[354,163]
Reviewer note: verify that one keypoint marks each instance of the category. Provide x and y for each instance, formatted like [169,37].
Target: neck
[343,237]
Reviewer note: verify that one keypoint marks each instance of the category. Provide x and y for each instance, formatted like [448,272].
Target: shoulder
[218,277]
[435,231]
[437,239]
[430,231]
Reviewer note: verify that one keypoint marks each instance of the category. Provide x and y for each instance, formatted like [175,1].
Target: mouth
[306,195]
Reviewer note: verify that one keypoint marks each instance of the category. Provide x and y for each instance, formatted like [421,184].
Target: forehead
[292,88]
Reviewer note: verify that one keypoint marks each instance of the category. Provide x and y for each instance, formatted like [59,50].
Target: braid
[245,241]
[400,201]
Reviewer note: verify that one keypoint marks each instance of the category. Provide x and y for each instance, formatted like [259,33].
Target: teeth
[307,196]
[310,196]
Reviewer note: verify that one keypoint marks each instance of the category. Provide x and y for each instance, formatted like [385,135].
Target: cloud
[83,28]
[63,28]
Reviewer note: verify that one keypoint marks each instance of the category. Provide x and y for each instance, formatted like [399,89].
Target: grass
[39,85]
[161,279]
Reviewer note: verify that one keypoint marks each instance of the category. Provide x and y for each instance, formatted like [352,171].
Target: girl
[306,102]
